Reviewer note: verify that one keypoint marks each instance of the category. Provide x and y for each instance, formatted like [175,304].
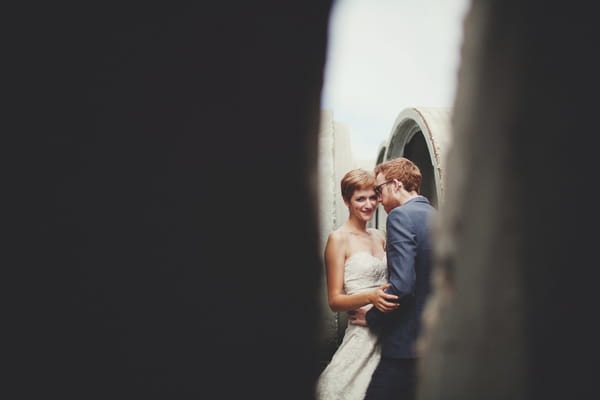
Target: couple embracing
[381,281]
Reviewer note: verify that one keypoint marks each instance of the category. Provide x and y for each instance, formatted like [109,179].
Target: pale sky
[385,56]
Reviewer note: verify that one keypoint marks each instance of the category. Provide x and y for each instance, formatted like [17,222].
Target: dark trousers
[394,378]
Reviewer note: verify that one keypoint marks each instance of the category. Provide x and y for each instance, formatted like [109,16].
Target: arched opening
[409,142]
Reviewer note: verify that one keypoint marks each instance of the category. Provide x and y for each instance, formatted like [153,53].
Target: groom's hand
[357,317]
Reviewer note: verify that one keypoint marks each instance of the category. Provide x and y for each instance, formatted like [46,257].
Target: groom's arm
[401,254]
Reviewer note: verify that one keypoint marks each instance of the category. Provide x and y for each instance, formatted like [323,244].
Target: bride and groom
[381,281]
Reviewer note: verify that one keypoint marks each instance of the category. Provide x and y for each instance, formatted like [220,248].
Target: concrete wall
[335,159]
[514,314]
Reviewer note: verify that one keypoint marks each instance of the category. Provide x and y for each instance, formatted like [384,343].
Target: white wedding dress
[347,375]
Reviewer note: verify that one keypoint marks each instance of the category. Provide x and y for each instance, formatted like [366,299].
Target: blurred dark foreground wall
[515,310]
[166,207]
[163,239]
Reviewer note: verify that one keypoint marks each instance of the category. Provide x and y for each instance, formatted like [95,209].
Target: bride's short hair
[356,179]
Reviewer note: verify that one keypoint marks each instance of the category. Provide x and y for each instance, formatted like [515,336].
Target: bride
[356,276]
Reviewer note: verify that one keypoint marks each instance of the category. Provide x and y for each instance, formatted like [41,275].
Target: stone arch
[421,134]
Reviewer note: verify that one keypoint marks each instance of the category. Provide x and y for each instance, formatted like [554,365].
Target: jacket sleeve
[401,255]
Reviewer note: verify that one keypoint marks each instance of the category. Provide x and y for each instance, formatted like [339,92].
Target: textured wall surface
[335,159]
[515,289]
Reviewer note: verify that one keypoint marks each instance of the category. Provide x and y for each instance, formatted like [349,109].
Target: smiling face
[362,204]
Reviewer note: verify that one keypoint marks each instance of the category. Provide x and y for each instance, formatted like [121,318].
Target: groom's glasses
[379,187]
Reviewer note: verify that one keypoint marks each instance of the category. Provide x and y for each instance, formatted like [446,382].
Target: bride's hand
[383,301]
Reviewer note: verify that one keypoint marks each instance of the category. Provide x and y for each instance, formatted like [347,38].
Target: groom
[409,266]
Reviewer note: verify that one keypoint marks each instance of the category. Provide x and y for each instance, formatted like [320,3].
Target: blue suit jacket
[409,261]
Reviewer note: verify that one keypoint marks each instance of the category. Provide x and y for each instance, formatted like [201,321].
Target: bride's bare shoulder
[339,235]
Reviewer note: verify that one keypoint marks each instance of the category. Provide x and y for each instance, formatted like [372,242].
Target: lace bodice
[364,271]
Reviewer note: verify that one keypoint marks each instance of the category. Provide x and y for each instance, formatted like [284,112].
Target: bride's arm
[335,259]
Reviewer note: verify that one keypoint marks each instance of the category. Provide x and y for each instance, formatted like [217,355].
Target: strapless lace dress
[348,374]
